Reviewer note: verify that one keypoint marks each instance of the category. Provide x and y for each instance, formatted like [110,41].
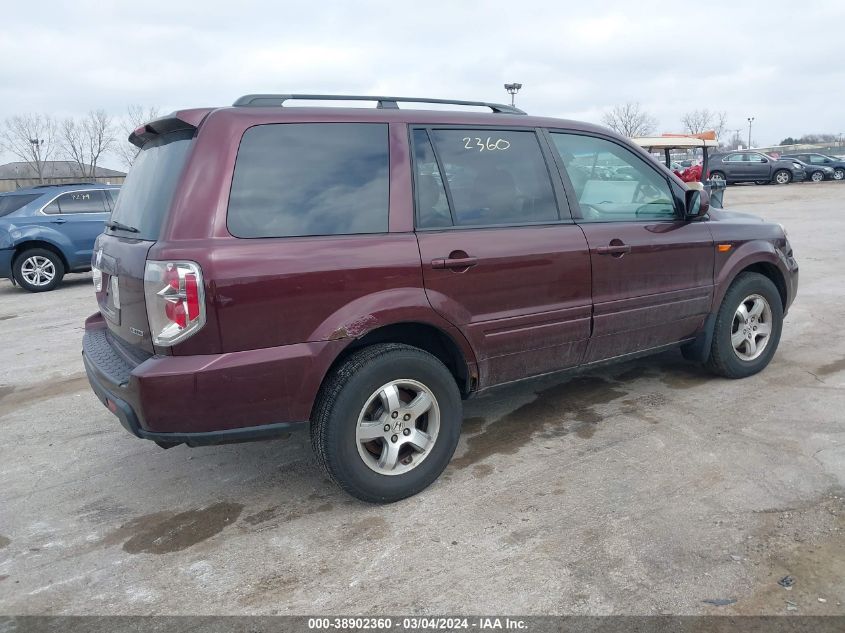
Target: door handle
[454,263]
[617,250]
[58,221]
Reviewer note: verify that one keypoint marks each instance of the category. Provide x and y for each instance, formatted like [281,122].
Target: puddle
[165,532]
[573,400]
[13,398]
[4,541]
[6,317]
[831,368]
[283,513]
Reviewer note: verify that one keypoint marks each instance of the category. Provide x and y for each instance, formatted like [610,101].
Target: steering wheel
[645,189]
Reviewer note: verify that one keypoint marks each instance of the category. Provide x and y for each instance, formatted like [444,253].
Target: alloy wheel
[782,178]
[398,427]
[38,270]
[817,176]
[751,328]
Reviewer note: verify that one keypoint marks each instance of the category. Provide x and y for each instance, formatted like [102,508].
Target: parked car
[322,275]
[822,160]
[49,230]
[746,166]
[815,173]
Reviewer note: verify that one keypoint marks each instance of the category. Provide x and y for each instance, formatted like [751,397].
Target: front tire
[748,327]
[839,173]
[387,422]
[38,270]
[782,177]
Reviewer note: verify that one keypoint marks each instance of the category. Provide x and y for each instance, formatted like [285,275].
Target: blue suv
[49,230]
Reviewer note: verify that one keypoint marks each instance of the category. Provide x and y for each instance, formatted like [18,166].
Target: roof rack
[388,103]
[65,184]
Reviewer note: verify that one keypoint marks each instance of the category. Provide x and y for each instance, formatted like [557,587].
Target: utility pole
[512,90]
[750,121]
[36,151]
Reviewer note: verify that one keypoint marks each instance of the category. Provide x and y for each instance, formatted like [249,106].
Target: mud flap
[698,350]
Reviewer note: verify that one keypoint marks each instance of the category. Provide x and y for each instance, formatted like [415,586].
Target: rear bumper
[207,399]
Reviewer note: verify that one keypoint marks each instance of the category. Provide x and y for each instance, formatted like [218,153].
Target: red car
[363,270]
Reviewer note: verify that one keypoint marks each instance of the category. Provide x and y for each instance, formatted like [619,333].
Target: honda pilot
[361,271]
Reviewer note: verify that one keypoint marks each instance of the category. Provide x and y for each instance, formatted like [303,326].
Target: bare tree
[698,121]
[629,119]
[136,116]
[30,137]
[86,139]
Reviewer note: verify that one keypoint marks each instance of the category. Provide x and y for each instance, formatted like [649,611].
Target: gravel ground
[645,488]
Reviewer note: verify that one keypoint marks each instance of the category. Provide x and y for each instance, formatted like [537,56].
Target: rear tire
[38,270]
[367,432]
[817,176]
[839,173]
[782,177]
[739,348]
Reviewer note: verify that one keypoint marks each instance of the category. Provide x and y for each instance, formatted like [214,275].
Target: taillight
[175,300]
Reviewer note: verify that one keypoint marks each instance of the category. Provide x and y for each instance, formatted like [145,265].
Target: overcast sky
[781,62]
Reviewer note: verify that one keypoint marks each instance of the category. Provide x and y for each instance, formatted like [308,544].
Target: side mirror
[697,203]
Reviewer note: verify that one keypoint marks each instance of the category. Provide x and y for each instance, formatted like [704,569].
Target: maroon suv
[362,270]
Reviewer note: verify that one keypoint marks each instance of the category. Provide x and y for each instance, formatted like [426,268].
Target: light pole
[750,121]
[512,90]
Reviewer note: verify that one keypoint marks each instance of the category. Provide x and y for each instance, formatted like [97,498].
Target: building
[56,172]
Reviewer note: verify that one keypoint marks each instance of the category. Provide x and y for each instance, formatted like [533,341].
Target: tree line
[630,119]
[37,138]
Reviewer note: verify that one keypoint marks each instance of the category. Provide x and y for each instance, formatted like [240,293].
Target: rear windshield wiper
[114,224]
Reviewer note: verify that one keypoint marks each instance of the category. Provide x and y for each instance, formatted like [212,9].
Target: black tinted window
[495,177]
[146,194]
[298,179]
[78,202]
[13,203]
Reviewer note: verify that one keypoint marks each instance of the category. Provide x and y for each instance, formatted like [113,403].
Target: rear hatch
[120,253]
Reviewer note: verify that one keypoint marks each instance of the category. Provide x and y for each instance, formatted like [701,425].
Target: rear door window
[299,179]
[492,177]
[146,194]
[92,201]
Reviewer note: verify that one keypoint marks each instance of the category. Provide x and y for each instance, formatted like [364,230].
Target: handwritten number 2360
[488,145]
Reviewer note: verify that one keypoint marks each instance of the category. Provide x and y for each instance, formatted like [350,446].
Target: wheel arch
[425,336]
[38,243]
[699,349]
[767,269]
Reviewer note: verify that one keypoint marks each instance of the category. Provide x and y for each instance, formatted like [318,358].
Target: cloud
[777,61]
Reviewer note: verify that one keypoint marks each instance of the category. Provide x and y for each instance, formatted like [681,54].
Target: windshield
[148,191]
[13,203]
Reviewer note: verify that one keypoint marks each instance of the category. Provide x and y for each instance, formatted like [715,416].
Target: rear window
[13,203]
[146,194]
[297,179]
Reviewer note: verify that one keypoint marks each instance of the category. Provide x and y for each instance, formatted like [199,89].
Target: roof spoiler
[173,122]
